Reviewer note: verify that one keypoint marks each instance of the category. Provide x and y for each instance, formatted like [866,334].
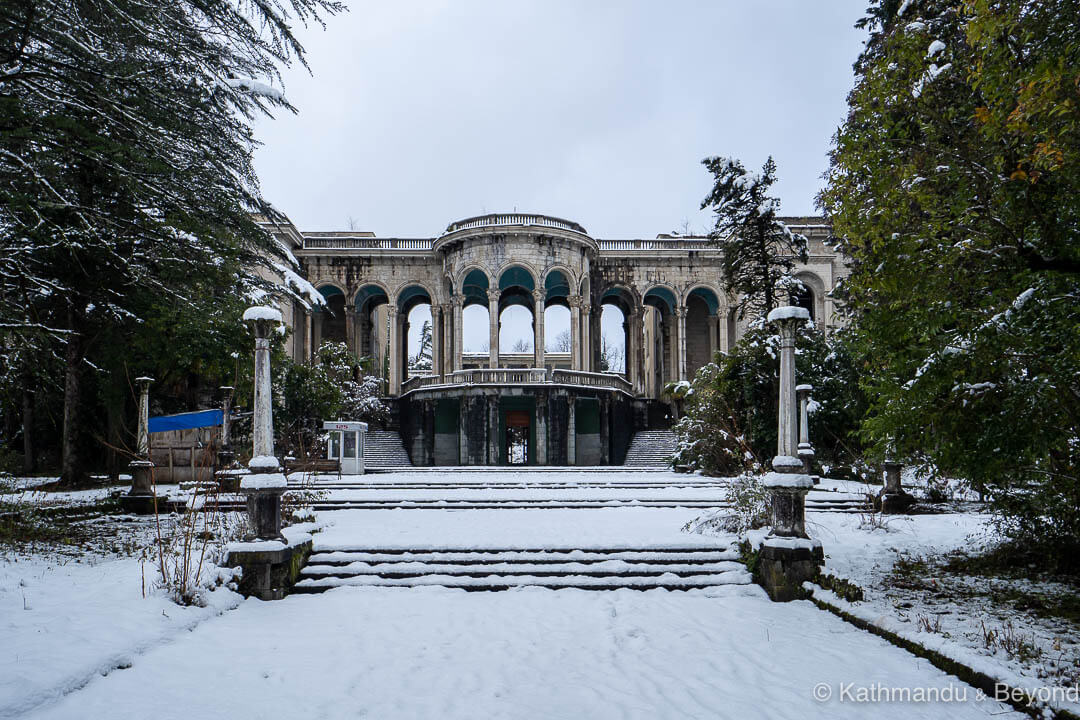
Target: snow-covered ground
[948,612]
[80,640]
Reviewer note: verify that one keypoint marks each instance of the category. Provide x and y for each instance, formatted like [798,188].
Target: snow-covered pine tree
[760,251]
[126,165]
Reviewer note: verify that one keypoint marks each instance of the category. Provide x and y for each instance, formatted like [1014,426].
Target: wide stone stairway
[491,529]
[673,568]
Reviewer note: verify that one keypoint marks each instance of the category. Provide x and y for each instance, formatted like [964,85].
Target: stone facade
[668,289]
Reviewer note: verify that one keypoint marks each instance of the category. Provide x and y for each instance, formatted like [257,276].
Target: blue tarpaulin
[185,421]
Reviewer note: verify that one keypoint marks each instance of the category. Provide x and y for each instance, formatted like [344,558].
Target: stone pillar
[893,497]
[586,337]
[722,320]
[788,556]
[458,302]
[436,339]
[265,485]
[681,344]
[493,328]
[394,345]
[714,322]
[493,429]
[806,450]
[575,331]
[350,330]
[538,327]
[541,427]
[605,435]
[140,498]
[635,353]
[227,478]
[571,430]
[308,330]
[463,430]
[403,339]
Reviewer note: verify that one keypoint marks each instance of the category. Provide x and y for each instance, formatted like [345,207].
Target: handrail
[366,243]
[514,219]
[654,244]
[518,376]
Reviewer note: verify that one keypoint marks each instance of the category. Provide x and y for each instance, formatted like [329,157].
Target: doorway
[517,437]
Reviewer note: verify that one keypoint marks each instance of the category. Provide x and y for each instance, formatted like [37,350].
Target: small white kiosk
[346,445]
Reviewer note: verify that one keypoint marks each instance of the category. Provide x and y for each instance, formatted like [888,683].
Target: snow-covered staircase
[674,568]
[384,449]
[651,448]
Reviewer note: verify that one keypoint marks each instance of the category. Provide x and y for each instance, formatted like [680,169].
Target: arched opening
[613,335]
[557,331]
[809,293]
[702,331]
[330,326]
[410,299]
[615,346]
[372,330]
[659,336]
[516,307]
[474,319]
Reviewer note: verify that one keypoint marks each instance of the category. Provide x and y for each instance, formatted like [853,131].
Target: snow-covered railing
[590,379]
[366,243]
[518,376]
[514,219]
[685,243]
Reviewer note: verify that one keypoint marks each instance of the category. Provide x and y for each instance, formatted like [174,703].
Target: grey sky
[420,113]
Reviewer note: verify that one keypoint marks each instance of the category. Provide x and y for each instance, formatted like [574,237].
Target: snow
[787,480]
[434,653]
[262,312]
[935,47]
[791,543]
[63,624]
[263,462]
[786,461]
[788,312]
[263,481]
[255,87]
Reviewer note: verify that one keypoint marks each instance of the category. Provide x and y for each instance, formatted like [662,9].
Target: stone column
[350,330]
[140,498]
[605,435]
[575,331]
[722,320]
[265,485]
[788,556]
[586,336]
[493,328]
[403,338]
[458,302]
[806,450]
[681,344]
[635,352]
[571,430]
[538,327]
[436,339]
[714,322]
[541,427]
[308,330]
[394,343]
[493,429]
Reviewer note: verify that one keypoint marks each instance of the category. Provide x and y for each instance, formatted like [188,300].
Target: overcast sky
[416,113]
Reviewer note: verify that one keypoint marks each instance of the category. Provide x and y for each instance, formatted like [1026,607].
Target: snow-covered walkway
[434,652]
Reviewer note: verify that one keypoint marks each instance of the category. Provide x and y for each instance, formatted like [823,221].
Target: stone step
[679,568]
[651,448]
[319,504]
[384,449]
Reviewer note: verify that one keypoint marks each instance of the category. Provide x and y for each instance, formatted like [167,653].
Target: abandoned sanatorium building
[536,407]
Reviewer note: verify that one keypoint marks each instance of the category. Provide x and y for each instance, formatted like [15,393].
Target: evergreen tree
[126,168]
[759,250]
[954,187]
[421,361]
